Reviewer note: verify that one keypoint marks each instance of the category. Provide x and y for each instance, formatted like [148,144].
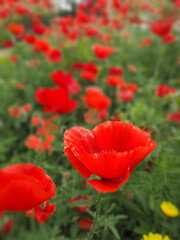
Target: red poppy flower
[15,28]
[80,208]
[4,13]
[39,29]
[26,108]
[22,10]
[162,27]
[90,67]
[96,99]
[54,55]
[169,38]
[65,80]
[102,52]
[115,71]
[89,76]
[30,39]
[126,94]
[91,31]
[20,86]
[115,81]
[55,100]
[21,180]
[175,117]
[8,44]
[146,42]
[111,151]
[14,111]
[41,45]
[164,90]
[86,224]
[42,214]
[132,68]
[13,58]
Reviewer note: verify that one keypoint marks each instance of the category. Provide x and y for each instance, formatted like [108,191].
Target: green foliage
[134,209]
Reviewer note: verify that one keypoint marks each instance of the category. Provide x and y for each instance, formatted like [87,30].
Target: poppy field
[90,120]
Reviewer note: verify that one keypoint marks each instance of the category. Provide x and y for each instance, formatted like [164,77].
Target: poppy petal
[77,164]
[105,185]
[119,136]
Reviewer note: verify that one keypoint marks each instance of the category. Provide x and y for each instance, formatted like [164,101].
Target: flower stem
[96,217]
[33,225]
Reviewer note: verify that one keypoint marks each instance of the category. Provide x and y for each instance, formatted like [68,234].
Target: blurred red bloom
[169,38]
[90,71]
[17,111]
[55,100]
[16,28]
[22,10]
[7,224]
[65,80]
[76,200]
[126,94]
[20,86]
[4,13]
[162,27]
[42,214]
[8,44]
[115,71]
[39,29]
[102,52]
[13,58]
[115,81]
[54,55]
[41,45]
[21,180]
[30,39]
[132,68]
[174,117]
[164,90]
[86,224]
[111,151]
[96,99]
[26,108]
[14,111]
[131,86]
[33,142]
[89,76]
[91,31]
[146,42]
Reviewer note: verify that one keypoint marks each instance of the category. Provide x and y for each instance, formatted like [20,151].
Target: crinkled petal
[119,136]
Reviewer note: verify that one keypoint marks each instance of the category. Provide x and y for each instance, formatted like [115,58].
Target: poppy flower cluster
[45,131]
[17,111]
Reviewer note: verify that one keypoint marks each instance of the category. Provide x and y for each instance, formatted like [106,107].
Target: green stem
[33,224]
[96,217]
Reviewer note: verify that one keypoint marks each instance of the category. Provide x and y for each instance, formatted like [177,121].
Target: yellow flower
[155,236]
[169,209]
